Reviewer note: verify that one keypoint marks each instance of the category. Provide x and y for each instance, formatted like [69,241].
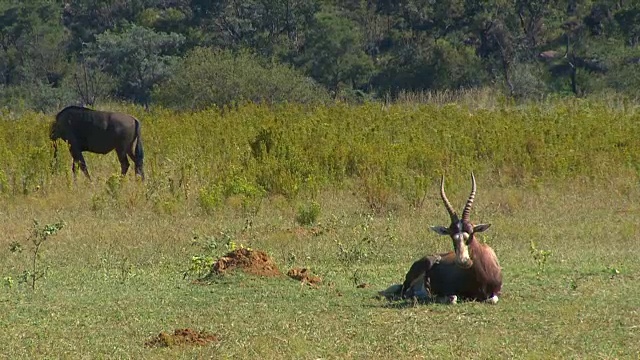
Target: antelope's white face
[461,233]
[460,230]
[461,246]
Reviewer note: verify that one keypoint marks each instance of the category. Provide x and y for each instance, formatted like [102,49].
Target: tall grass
[381,152]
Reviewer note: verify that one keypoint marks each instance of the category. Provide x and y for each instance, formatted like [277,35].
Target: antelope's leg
[393,292]
[492,300]
[414,280]
[451,299]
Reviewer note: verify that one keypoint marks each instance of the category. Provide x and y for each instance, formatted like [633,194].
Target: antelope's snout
[464,263]
[463,260]
[462,251]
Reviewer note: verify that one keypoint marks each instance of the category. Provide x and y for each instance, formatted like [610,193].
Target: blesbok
[98,132]
[469,272]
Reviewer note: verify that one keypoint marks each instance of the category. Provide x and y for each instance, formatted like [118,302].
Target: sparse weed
[4,183]
[39,235]
[211,248]
[114,186]
[377,194]
[15,247]
[540,256]
[367,245]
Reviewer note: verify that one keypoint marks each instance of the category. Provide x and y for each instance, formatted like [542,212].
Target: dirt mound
[304,275]
[181,337]
[253,262]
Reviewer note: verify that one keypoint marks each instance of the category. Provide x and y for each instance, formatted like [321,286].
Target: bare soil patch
[304,231]
[304,275]
[254,262]
[181,337]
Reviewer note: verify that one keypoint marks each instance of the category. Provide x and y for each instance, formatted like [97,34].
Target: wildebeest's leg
[124,162]
[78,158]
[138,153]
[137,161]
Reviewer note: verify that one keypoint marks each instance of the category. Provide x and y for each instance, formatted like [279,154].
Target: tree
[208,77]
[629,23]
[272,28]
[137,58]
[333,53]
[85,19]
[32,56]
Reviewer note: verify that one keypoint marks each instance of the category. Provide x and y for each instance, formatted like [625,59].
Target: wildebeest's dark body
[99,132]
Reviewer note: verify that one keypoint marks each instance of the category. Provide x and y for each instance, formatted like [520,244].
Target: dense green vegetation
[53,53]
[382,152]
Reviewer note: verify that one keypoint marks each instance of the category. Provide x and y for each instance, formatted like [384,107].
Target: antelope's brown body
[471,271]
[440,276]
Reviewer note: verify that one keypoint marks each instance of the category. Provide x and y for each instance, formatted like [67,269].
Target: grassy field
[564,229]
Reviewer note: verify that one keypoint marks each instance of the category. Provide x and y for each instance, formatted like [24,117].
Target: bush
[308,213]
[38,96]
[207,78]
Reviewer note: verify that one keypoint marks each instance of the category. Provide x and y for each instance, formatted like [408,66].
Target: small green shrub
[211,248]
[241,186]
[200,266]
[308,213]
[210,198]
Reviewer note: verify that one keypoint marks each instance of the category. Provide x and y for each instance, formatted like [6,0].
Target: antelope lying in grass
[470,272]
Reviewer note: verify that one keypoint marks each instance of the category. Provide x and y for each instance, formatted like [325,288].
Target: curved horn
[467,207]
[447,204]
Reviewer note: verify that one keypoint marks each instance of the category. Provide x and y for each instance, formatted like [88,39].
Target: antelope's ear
[481,228]
[440,230]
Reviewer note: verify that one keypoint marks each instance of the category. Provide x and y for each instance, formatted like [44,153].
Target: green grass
[561,177]
[115,279]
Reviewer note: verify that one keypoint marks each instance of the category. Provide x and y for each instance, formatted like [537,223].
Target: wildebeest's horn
[467,207]
[447,204]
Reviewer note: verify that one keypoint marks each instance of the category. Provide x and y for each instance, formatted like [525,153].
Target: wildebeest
[99,132]
[469,272]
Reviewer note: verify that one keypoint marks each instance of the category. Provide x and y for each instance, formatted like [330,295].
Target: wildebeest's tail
[138,151]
